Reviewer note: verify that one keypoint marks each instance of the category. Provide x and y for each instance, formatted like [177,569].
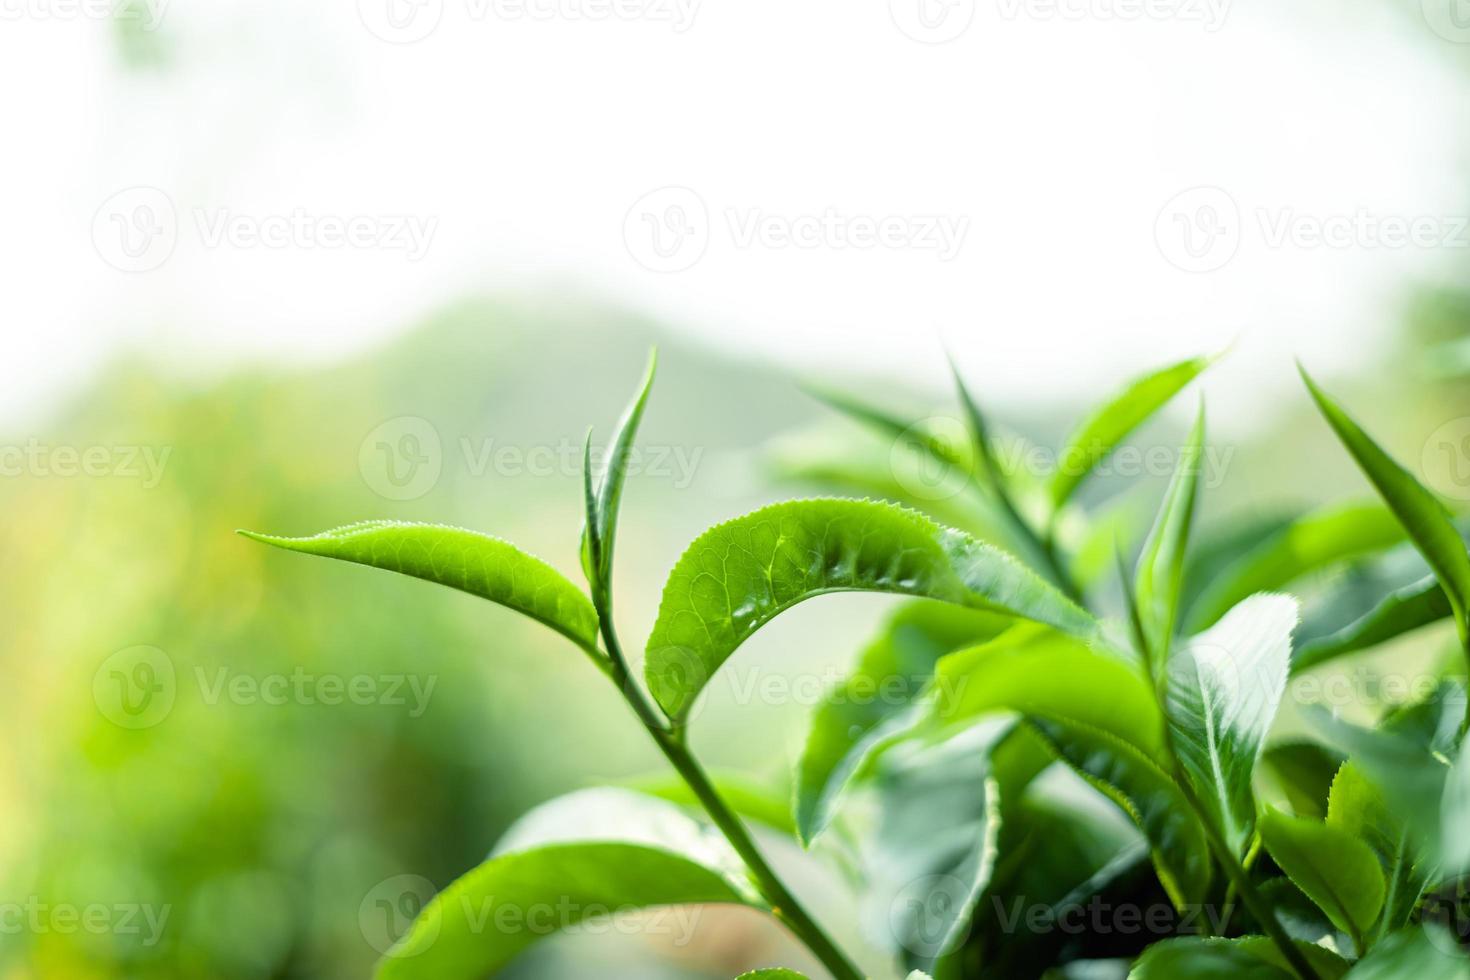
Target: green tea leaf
[1399,612]
[933,848]
[891,674]
[1247,958]
[586,855]
[1335,869]
[776,973]
[1222,691]
[1422,515]
[1147,794]
[1454,816]
[1160,571]
[1101,433]
[738,576]
[1303,773]
[464,560]
[1358,808]
[1032,670]
[1419,952]
[615,471]
[1313,541]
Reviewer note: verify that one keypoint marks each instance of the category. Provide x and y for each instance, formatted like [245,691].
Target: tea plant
[1016,666]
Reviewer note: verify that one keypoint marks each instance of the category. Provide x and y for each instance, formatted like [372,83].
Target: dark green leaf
[1247,958]
[1311,542]
[1335,869]
[1160,570]
[1223,689]
[465,560]
[642,853]
[1418,953]
[1419,511]
[1302,773]
[1148,795]
[738,576]
[891,673]
[1101,433]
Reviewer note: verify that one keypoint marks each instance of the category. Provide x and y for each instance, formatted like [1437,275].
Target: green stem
[671,742]
[1044,545]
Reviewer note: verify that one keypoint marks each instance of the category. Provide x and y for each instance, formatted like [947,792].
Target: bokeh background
[289,265]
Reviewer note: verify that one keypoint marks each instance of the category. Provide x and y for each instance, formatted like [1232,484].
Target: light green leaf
[738,576]
[1147,794]
[1417,953]
[586,855]
[1032,670]
[1402,610]
[746,797]
[1454,820]
[1357,807]
[1335,869]
[1422,515]
[615,471]
[1313,541]
[1101,433]
[933,849]
[776,973]
[465,560]
[1160,569]
[1222,691]
[891,674]
[1247,958]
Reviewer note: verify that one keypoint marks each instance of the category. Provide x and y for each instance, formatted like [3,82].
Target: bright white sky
[1039,148]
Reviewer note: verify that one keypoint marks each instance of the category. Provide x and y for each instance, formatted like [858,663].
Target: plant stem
[1043,545]
[671,742]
